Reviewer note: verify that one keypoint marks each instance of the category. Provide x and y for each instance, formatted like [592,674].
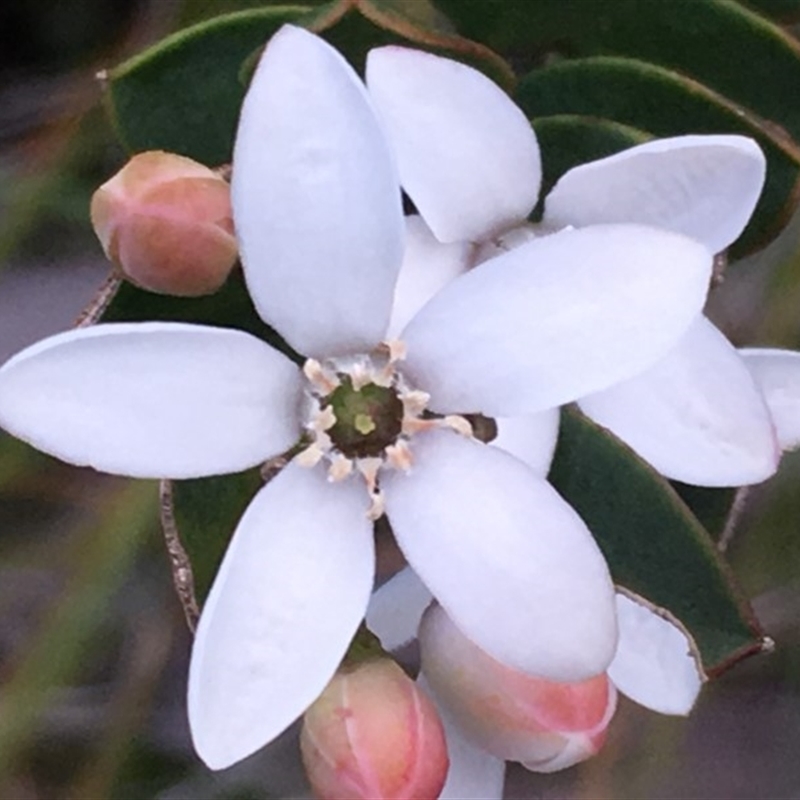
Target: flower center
[368,418]
[361,415]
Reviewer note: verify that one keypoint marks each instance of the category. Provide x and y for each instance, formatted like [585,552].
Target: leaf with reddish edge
[653,543]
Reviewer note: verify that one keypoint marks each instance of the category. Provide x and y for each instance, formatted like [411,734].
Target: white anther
[323,380]
[398,456]
[458,424]
[323,420]
[311,456]
[340,468]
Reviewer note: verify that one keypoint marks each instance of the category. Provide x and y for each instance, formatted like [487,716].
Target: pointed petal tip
[541,603]
[441,116]
[316,199]
[556,319]
[288,598]
[657,663]
[696,415]
[191,401]
[703,186]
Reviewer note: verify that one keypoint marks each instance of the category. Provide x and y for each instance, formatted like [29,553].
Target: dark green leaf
[653,544]
[569,140]
[184,94]
[356,26]
[721,43]
[206,512]
[710,506]
[666,104]
[230,307]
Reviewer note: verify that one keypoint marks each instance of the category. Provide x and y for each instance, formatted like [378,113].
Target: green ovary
[367,419]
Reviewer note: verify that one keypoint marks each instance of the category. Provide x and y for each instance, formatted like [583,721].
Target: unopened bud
[373,734]
[544,724]
[166,222]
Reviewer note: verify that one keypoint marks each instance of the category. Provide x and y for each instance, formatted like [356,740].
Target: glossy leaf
[355,26]
[653,544]
[206,512]
[699,38]
[710,506]
[664,103]
[569,140]
[183,94]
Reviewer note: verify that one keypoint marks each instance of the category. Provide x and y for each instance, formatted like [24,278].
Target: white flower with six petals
[318,217]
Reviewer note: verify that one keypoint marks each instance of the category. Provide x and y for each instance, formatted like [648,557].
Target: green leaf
[664,103]
[206,512]
[184,94]
[355,26]
[653,544]
[230,307]
[710,506]
[568,140]
[721,43]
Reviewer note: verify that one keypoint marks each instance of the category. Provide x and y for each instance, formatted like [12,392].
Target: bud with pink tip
[166,222]
[546,725]
[374,734]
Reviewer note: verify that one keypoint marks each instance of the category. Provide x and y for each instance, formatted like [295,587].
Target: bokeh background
[93,643]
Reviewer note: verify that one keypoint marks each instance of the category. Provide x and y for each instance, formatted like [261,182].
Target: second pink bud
[373,734]
[545,725]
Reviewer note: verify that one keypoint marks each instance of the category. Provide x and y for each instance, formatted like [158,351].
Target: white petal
[507,558]
[531,438]
[396,608]
[287,600]
[556,318]
[153,399]
[704,187]
[474,774]
[316,200]
[467,155]
[654,664]
[777,373]
[428,266]
[697,415]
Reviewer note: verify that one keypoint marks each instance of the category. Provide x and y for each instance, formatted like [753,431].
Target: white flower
[469,161]
[318,216]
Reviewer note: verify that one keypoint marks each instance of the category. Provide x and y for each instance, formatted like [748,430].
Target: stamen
[369,467]
[458,424]
[398,456]
[311,456]
[324,381]
[340,468]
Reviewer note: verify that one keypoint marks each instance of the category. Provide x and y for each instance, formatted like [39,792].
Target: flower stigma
[361,414]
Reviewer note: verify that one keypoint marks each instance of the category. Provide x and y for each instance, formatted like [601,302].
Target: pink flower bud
[166,222]
[546,725]
[374,734]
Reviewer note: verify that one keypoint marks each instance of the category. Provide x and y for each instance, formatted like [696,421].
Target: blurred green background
[93,644]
